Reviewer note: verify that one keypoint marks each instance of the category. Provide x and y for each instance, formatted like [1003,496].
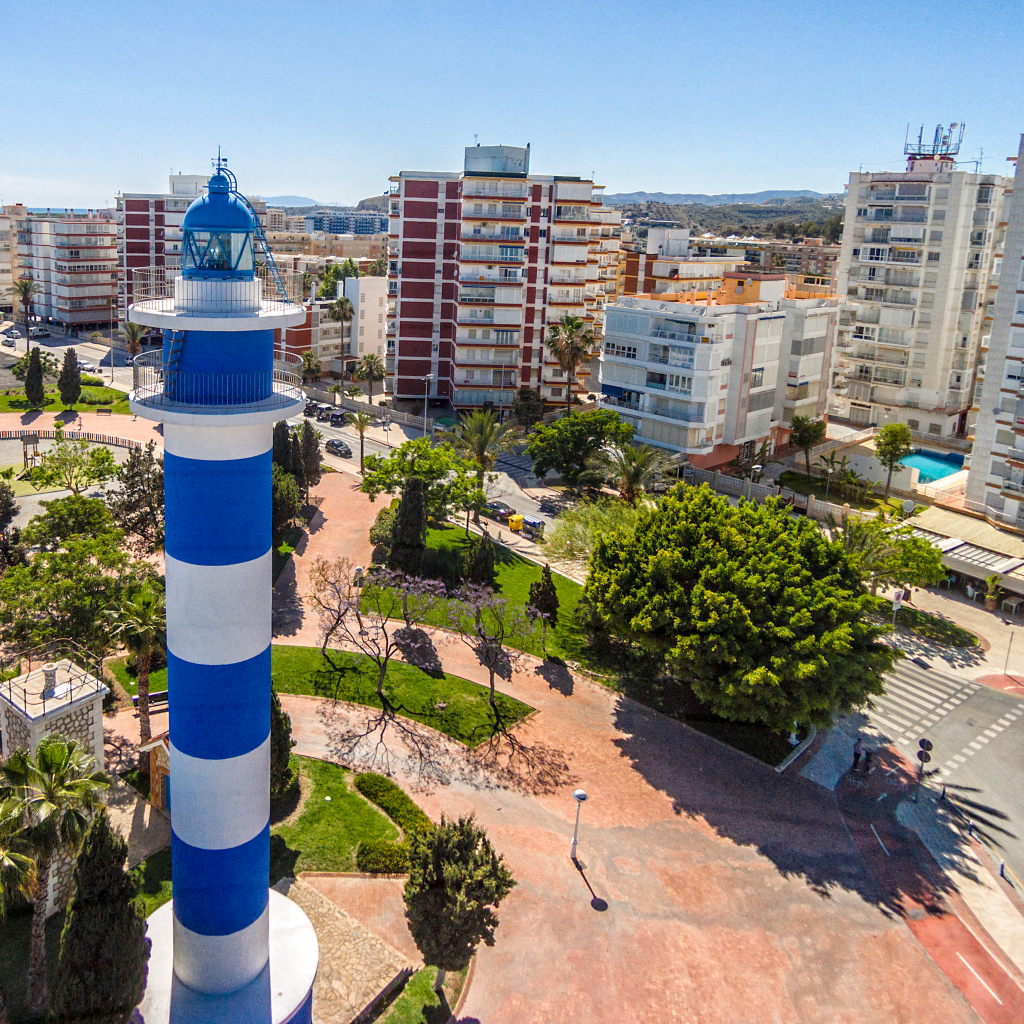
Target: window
[933,257]
[935,236]
[362,314]
[913,424]
[380,318]
[485,334]
[380,301]
[757,378]
[472,332]
[556,392]
[862,211]
[622,351]
[677,382]
[380,334]
[362,330]
[934,428]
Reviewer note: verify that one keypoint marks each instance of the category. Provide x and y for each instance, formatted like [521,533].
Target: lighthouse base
[281,994]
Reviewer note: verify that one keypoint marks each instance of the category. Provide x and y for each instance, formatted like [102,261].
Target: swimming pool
[932,466]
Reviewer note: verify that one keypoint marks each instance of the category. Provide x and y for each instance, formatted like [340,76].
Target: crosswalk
[914,700]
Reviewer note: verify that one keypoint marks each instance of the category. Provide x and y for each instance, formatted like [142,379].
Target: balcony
[486,190]
[519,214]
[1014,487]
[510,255]
[691,338]
[507,235]
[619,403]
[1015,454]
[513,277]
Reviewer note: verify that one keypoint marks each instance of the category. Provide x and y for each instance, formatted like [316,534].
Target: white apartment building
[916,253]
[8,258]
[995,481]
[667,266]
[73,258]
[369,298]
[480,263]
[276,219]
[716,381]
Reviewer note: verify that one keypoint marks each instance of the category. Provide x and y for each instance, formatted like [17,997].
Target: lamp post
[426,394]
[579,796]
[755,471]
[828,480]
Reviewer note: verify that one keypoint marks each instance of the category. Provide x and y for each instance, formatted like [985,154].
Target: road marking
[982,739]
[882,845]
[953,764]
[980,978]
[974,746]
[959,758]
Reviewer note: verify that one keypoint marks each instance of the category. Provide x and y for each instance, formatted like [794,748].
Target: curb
[465,991]
[797,751]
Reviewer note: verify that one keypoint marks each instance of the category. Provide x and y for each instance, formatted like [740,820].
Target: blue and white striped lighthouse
[217,392]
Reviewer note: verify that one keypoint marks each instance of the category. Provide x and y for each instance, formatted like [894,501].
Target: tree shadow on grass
[282,859]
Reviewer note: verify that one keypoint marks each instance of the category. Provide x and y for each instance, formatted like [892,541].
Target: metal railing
[212,392]
[25,686]
[479,189]
[491,255]
[163,289]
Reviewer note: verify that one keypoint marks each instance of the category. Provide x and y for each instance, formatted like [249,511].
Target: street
[97,354]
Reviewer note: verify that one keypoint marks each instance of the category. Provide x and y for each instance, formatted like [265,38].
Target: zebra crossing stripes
[914,700]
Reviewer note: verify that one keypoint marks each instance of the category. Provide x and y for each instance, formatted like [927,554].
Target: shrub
[382,857]
[88,381]
[393,801]
[380,532]
[444,564]
[478,565]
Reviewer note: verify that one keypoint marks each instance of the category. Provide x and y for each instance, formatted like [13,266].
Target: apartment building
[812,257]
[276,219]
[149,230]
[480,263]
[667,265]
[995,481]
[322,244]
[73,258]
[916,254]
[718,380]
[343,220]
[9,253]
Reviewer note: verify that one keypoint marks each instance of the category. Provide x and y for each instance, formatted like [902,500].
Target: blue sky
[328,99]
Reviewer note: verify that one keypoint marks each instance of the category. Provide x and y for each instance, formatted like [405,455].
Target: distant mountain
[289,201]
[686,198]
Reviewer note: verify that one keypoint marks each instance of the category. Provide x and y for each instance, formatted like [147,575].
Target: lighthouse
[226,948]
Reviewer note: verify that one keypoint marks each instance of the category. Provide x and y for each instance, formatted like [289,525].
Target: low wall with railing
[322,394]
[71,435]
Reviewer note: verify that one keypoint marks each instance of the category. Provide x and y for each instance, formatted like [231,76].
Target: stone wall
[79,722]
[16,733]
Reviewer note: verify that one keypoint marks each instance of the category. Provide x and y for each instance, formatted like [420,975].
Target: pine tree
[409,534]
[479,565]
[281,744]
[295,462]
[9,508]
[137,506]
[69,383]
[281,445]
[543,602]
[35,392]
[309,444]
[104,952]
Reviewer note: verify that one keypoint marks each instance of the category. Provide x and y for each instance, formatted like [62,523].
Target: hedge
[382,857]
[393,801]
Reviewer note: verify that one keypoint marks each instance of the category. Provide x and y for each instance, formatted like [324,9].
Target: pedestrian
[858,749]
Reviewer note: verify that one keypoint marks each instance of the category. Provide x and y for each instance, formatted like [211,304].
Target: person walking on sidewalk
[858,749]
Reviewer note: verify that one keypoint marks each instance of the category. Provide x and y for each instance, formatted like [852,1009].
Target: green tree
[296,466]
[758,612]
[281,743]
[69,383]
[370,368]
[893,443]
[573,534]
[456,883]
[361,423]
[133,335]
[479,564]
[439,467]
[25,289]
[336,273]
[73,465]
[480,439]
[570,341]
[528,407]
[141,622]
[63,519]
[35,391]
[56,790]
[281,445]
[17,870]
[806,434]
[378,267]
[409,534]
[9,507]
[137,504]
[341,311]
[286,501]
[631,469]
[49,364]
[312,459]
[104,952]
[543,603]
[311,368]
[567,444]
[832,229]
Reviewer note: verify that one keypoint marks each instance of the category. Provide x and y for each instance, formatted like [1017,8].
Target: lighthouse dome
[217,234]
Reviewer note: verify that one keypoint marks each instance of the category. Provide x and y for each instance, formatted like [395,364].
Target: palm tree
[805,434]
[24,289]
[370,368]
[570,341]
[361,421]
[340,310]
[480,438]
[142,623]
[17,871]
[311,368]
[378,267]
[55,792]
[132,334]
[631,469]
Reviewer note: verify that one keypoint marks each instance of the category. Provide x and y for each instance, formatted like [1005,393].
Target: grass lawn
[514,576]
[15,929]
[91,399]
[418,1003]
[931,627]
[323,838]
[468,716]
[23,488]
[157,679]
[283,549]
[871,503]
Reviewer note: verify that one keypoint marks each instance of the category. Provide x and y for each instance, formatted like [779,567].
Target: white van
[38,332]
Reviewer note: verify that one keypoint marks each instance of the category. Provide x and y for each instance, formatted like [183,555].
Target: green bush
[382,857]
[380,532]
[89,381]
[393,801]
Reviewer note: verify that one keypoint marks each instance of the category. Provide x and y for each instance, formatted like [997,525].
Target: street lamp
[426,394]
[579,796]
[828,480]
[754,471]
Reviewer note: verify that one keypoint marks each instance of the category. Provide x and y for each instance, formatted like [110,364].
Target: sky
[328,99]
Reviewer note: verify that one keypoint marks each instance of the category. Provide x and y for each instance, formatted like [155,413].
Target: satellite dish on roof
[909,506]
[750,281]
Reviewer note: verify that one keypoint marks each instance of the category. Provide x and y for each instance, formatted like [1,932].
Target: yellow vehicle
[515,522]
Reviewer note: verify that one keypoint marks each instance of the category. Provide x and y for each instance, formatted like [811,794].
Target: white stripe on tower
[221,963]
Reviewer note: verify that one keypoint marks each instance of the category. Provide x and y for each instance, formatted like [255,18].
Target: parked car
[84,364]
[338,449]
[312,405]
[338,418]
[323,412]
[499,510]
[7,341]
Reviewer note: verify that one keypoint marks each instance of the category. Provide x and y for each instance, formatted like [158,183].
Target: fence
[322,394]
[71,435]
